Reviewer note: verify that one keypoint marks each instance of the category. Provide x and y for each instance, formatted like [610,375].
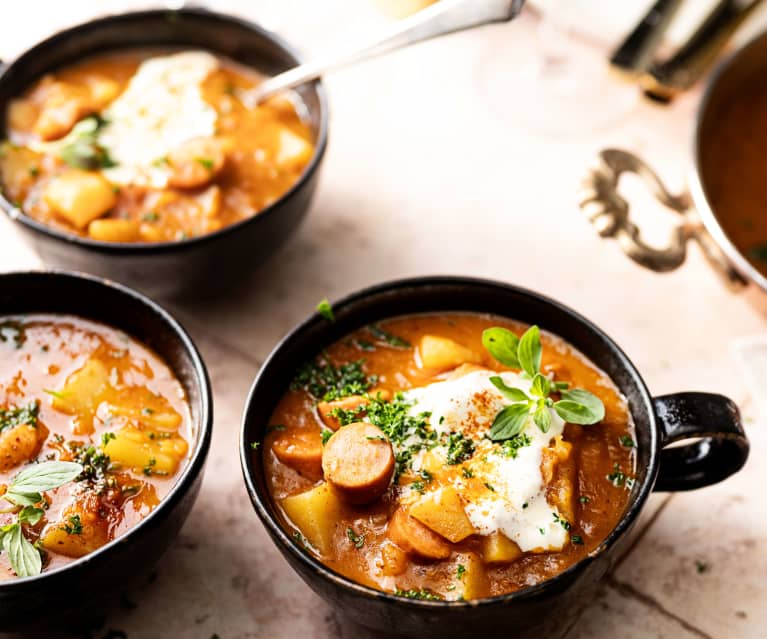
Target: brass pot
[603,204]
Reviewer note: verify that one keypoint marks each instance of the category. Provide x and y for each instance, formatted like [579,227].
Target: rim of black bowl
[17,214]
[261,502]
[205,425]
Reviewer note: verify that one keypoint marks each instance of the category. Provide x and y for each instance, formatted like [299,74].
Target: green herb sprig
[326,310]
[577,406]
[81,148]
[25,494]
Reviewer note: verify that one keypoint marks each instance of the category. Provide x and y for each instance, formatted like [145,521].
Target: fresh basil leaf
[30,515]
[529,352]
[502,344]
[23,499]
[514,394]
[509,422]
[579,406]
[542,419]
[24,557]
[541,386]
[44,476]
[560,386]
[326,310]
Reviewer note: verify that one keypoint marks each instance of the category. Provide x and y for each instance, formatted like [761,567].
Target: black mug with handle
[716,448]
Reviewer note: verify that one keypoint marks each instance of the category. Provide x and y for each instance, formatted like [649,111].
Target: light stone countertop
[435,165]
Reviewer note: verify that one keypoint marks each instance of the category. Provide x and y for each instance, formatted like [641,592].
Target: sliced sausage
[358,462]
[415,538]
[195,163]
[301,449]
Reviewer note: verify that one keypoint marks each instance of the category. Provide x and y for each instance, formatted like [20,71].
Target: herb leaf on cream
[576,406]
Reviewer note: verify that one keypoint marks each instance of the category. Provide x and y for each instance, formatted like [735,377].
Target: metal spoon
[446,16]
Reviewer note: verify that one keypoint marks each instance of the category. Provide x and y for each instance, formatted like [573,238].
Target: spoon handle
[446,16]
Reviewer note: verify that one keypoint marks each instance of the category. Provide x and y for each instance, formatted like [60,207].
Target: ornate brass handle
[608,211]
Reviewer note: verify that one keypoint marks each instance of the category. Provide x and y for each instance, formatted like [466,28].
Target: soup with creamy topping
[150,147]
[94,428]
[449,456]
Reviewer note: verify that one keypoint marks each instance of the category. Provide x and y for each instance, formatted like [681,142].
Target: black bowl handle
[721,448]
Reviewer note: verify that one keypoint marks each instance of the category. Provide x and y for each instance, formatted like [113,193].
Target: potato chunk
[441,353]
[80,196]
[393,560]
[18,445]
[82,393]
[499,549]
[442,511]
[472,580]
[114,230]
[315,513]
[82,528]
[147,451]
[293,151]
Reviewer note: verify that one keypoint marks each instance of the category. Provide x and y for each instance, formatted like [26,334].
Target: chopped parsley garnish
[467,472]
[395,421]
[23,415]
[562,522]
[701,566]
[576,540]
[460,571]
[107,437]
[627,441]
[357,540]
[583,499]
[459,448]
[151,216]
[206,163]
[511,447]
[149,468]
[326,310]
[34,171]
[274,427]
[420,593]
[95,466]
[618,478]
[388,338]
[326,382]
[254,445]
[74,527]
[325,435]
[489,486]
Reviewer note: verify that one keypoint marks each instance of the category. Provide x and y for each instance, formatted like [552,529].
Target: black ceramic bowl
[76,592]
[547,609]
[201,265]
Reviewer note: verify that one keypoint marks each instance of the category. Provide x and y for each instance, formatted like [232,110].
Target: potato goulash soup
[444,457]
[732,159]
[93,429]
[149,147]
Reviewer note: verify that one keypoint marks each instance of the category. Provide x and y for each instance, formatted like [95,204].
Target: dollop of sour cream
[506,494]
[161,108]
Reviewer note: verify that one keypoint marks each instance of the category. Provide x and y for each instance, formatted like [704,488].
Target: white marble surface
[435,165]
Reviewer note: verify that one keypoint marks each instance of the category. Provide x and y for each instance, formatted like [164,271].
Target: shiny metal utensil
[446,16]
[663,81]
[635,53]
